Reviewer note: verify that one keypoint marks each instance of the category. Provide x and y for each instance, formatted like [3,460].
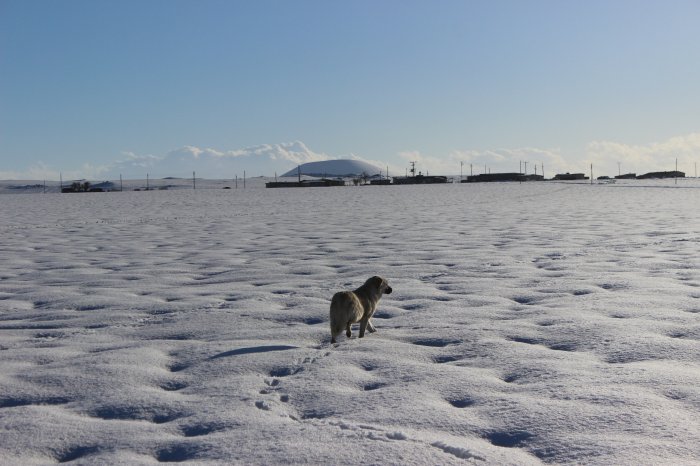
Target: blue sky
[94,88]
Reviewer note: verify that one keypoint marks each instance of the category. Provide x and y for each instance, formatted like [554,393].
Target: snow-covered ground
[530,323]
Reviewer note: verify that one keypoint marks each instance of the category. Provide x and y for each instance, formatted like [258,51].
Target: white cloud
[381,164]
[267,159]
[142,161]
[42,171]
[509,160]
[657,156]
[264,159]
[495,160]
[295,152]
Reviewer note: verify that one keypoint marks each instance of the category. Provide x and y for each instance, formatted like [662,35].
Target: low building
[496,177]
[671,174]
[305,183]
[570,176]
[380,182]
[420,179]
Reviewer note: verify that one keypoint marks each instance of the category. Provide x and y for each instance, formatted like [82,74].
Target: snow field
[530,323]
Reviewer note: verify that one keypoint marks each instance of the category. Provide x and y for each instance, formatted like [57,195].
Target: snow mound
[339,167]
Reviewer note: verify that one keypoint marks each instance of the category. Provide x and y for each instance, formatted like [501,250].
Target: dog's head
[379,284]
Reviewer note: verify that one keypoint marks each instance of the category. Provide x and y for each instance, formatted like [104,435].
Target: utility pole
[619,173]
[460,170]
[194,183]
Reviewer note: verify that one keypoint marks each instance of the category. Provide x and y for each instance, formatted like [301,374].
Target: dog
[349,307]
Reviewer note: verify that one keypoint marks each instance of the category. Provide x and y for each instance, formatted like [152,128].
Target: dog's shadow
[253,350]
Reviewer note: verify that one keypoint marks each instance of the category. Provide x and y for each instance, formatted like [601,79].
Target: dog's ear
[376,282]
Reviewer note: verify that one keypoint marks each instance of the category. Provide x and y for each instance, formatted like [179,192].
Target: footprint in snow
[371,432]
[273,383]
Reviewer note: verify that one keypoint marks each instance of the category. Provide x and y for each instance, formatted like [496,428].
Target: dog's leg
[370,327]
[363,326]
[348,332]
[334,334]
[336,329]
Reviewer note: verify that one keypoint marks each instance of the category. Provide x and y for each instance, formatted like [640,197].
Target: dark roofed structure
[571,176]
[495,177]
[671,174]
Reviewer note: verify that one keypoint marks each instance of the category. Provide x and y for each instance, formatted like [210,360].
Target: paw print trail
[273,395]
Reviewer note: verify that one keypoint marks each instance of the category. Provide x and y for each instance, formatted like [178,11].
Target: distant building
[380,181]
[671,174]
[570,176]
[420,179]
[495,177]
[304,183]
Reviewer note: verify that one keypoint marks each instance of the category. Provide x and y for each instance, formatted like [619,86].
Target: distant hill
[340,167]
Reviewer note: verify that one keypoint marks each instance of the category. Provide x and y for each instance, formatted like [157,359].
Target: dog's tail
[336,321]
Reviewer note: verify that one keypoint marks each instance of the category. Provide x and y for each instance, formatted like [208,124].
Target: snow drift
[529,323]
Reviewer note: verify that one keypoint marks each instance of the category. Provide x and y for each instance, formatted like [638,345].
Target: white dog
[349,307]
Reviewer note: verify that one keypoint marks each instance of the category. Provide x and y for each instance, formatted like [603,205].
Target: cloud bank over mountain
[494,161]
[259,160]
[604,155]
[271,159]
[643,158]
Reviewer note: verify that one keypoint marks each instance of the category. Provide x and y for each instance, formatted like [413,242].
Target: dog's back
[349,307]
[345,307]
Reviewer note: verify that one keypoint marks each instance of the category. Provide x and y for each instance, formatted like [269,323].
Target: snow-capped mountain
[339,167]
